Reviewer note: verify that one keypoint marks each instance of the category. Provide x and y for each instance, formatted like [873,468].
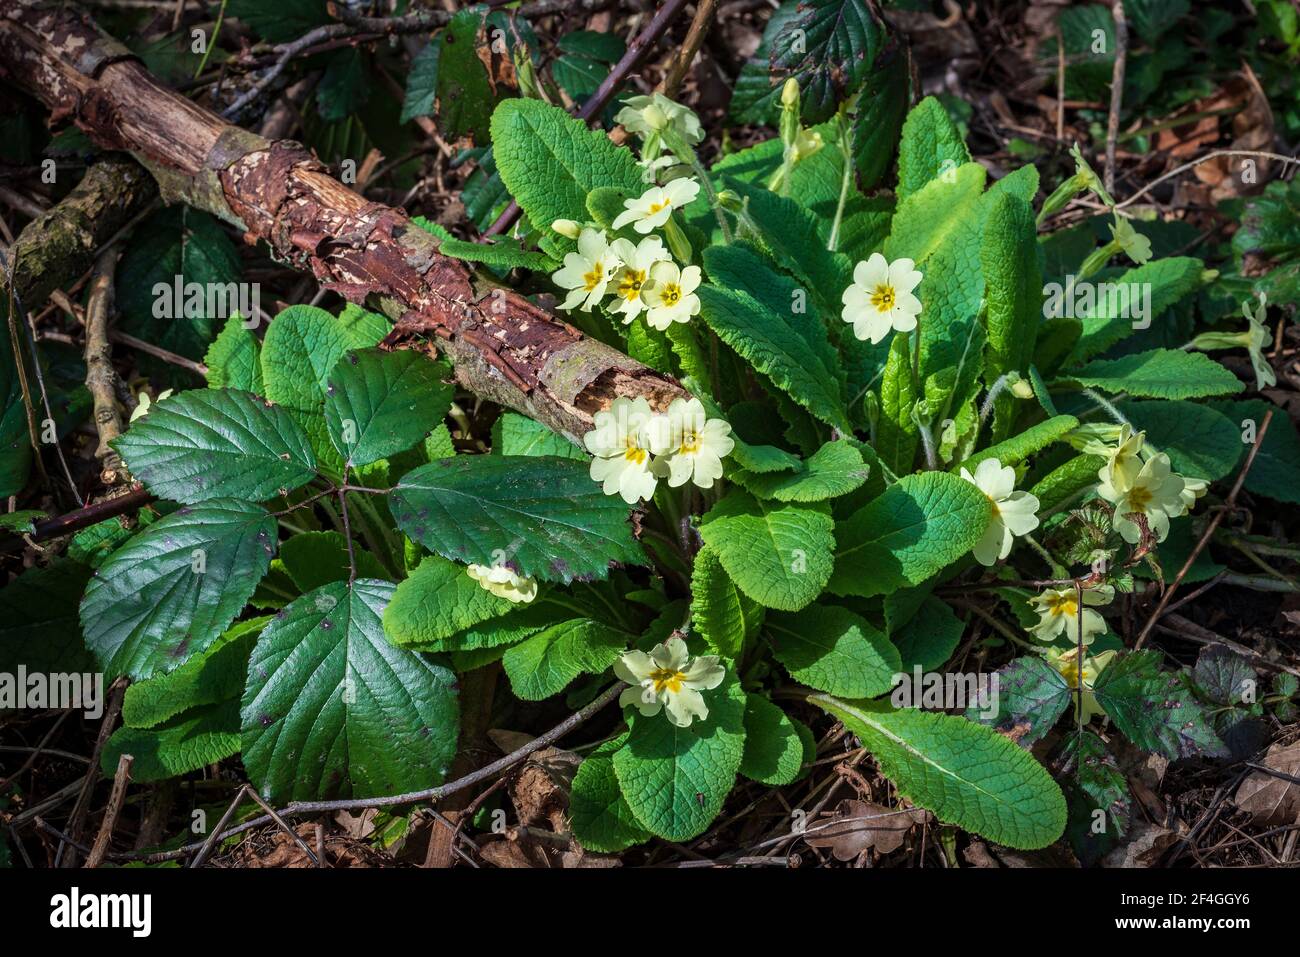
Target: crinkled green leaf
[773,748]
[1200,441]
[215,676]
[835,469]
[550,161]
[1104,321]
[930,144]
[515,434]
[831,649]
[929,637]
[547,662]
[201,736]
[1160,374]
[770,344]
[917,527]
[601,818]
[724,616]
[1019,447]
[675,779]
[438,600]
[779,554]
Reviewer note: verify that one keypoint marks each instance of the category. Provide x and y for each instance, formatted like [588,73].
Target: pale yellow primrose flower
[1124,461]
[694,445]
[631,279]
[1058,612]
[1156,492]
[1066,662]
[620,443]
[652,208]
[668,680]
[1193,488]
[1014,513]
[503,583]
[670,296]
[588,271]
[880,299]
[655,113]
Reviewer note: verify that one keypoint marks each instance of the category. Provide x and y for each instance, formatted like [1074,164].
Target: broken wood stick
[503,347]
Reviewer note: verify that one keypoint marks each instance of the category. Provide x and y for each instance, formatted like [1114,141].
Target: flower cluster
[642,275]
[668,680]
[634,447]
[1142,485]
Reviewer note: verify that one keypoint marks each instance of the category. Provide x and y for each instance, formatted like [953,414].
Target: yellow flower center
[671,294]
[659,207]
[595,277]
[691,442]
[634,452]
[883,298]
[1062,605]
[629,287]
[667,678]
[1139,498]
[1069,670]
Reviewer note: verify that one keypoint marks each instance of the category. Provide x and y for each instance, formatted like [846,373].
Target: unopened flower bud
[567,227]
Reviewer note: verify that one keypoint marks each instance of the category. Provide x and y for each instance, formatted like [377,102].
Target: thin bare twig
[1116,92]
[115,799]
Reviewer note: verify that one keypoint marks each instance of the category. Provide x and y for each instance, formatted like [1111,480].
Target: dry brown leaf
[1272,801]
[1143,846]
[857,826]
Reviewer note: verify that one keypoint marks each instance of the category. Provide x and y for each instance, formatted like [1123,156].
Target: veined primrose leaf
[550,161]
[773,746]
[546,663]
[917,527]
[217,443]
[601,818]
[779,554]
[724,616]
[438,600]
[675,779]
[965,773]
[832,649]
[1160,374]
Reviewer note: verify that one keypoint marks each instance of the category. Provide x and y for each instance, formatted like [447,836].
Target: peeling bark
[504,348]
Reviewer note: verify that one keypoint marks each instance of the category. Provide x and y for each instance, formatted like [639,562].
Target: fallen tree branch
[61,244]
[504,348]
[102,380]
